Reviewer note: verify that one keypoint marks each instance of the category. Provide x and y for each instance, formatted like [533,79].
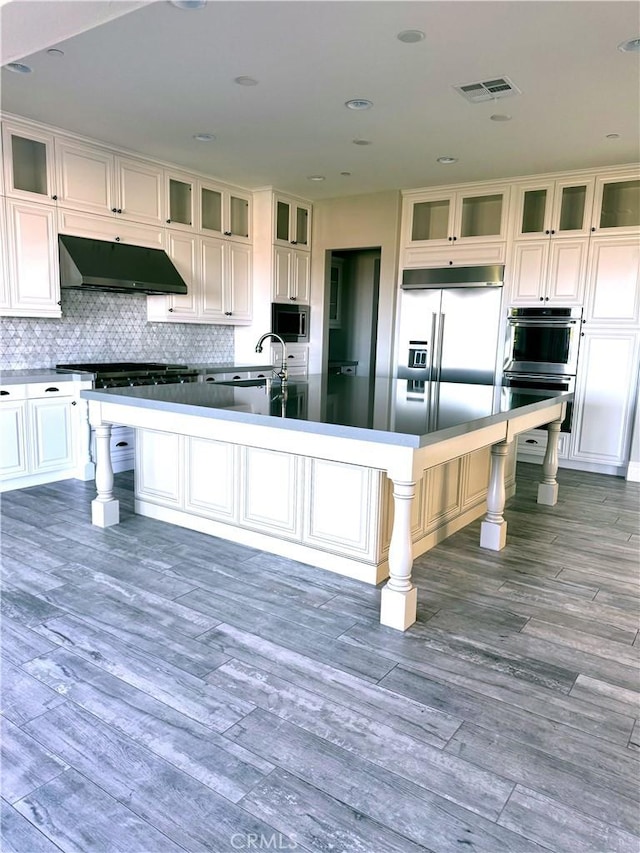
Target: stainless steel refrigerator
[450,325]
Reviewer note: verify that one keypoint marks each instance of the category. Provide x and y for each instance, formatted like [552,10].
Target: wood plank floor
[167,691]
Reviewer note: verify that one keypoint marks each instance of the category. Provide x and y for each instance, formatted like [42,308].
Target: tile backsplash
[108,327]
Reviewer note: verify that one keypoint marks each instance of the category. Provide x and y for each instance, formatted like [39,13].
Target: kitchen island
[351,474]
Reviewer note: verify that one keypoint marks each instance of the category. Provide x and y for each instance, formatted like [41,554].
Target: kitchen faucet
[282,373]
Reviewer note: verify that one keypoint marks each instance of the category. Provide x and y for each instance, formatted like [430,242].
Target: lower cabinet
[45,434]
[343,511]
[122,448]
[605,398]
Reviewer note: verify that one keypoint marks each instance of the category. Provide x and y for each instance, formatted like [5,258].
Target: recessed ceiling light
[362,142]
[245,81]
[55,52]
[500,117]
[613,136]
[188,4]
[446,160]
[410,36]
[204,137]
[630,46]
[18,68]
[358,104]
[316,178]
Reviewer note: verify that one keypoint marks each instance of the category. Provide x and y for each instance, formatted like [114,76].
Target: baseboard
[633,472]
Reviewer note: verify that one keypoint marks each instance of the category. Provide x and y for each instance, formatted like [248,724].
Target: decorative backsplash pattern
[108,327]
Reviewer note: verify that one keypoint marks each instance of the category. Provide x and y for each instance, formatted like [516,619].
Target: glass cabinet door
[28,164]
[211,210]
[619,205]
[238,216]
[560,208]
[302,226]
[481,216]
[533,219]
[430,220]
[180,203]
[283,213]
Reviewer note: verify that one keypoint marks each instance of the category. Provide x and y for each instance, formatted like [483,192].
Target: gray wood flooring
[167,691]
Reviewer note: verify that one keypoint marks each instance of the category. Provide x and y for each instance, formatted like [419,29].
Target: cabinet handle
[122,444]
[53,388]
[530,441]
[4,393]
[210,379]
[291,356]
[237,376]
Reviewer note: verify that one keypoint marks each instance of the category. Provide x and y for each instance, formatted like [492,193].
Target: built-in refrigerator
[450,325]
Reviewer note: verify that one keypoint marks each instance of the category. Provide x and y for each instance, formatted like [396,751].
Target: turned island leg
[493,530]
[105,509]
[548,488]
[398,603]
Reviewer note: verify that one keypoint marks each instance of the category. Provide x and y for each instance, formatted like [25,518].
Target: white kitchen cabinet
[109,228]
[158,467]
[211,488]
[28,154]
[548,271]
[297,359]
[606,388]
[45,434]
[219,281]
[276,509]
[224,212]
[553,209]
[292,222]
[32,252]
[122,447]
[291,276]
[180,201]
[616,208]
[613,281]
[449,216]
[532,445]
[94,180]
[5,291]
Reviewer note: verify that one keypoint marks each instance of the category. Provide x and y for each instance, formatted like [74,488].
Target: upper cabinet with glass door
[224,212]
[464,216]
[292,222]
[616,208]
[180,193]
[29,171]
[553,208]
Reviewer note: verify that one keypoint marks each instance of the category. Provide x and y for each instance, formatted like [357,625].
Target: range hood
[116,267]
[491,275]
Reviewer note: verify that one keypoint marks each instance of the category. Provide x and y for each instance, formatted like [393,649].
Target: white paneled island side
[350,474]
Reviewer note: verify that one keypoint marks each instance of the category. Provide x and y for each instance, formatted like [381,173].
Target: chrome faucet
[282,373]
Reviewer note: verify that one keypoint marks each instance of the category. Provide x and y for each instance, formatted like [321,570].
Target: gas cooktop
[116,374]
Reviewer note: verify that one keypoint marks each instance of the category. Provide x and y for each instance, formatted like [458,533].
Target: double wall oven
[542,350]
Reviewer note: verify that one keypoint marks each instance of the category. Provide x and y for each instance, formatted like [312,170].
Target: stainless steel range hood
[116,267]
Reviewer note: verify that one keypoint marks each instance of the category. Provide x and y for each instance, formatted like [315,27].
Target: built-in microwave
[290,321]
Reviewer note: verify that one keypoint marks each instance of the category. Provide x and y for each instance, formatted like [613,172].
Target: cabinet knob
[294,242]
[54,197]
[74,403]
[450,239]
[553,230]
[117,239]
[113,210]
[227,233]
[541,299]
[170,310]
[119,210]
[168,222]
[450,263]
[59,301]
[454,239]
[546,299]
[547,232]
[292,298]
[228,313]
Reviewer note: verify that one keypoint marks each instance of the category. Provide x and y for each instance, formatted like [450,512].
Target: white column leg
[85,468]
[105,509]
[398,602]
[548,488]
[493,530]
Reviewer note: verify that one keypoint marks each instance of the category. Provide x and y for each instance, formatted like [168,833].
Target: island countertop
[382,409]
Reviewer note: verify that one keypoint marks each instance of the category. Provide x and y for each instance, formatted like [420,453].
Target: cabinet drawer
[535,443]
[49,389]
[12,392]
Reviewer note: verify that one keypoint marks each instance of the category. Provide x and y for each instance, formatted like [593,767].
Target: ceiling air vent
[488,90]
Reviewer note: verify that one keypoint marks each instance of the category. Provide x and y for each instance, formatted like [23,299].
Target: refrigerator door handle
[440,345]
[433,356]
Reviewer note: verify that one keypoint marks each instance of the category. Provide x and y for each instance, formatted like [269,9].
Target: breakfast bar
[356,475]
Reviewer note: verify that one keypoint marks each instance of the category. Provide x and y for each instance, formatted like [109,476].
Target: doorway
[353,287]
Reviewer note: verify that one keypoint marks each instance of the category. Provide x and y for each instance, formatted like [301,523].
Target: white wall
[356,222]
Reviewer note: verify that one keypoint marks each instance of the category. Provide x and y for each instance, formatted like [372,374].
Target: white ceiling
[150,78]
